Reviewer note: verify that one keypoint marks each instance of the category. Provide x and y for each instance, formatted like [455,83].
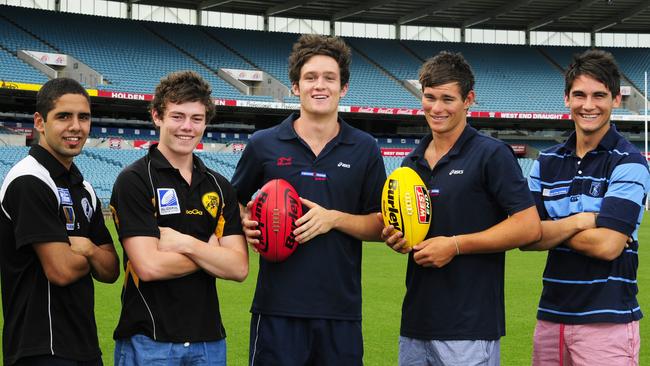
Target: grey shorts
[417,352]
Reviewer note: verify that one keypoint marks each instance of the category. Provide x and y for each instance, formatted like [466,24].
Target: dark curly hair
[310,45]
[181,87]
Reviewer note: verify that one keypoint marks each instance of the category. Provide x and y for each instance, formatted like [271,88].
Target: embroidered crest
[211,203]
[595,189]
[87,208]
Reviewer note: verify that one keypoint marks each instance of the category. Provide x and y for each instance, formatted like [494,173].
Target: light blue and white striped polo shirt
[612,180]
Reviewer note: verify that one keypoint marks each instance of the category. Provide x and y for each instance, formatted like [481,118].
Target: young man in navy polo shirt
[590,192]
[179,224]
[453,311]
[307,309]
[53,240]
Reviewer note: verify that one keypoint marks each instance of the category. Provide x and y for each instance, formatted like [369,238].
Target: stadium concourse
[519,88]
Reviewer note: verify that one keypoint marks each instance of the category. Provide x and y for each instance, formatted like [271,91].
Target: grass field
[383,289]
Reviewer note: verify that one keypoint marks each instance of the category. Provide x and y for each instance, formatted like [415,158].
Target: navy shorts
[287,341]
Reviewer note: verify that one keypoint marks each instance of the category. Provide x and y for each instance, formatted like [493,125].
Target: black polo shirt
[322,278]
[474,187]
[151,193]
[41,318]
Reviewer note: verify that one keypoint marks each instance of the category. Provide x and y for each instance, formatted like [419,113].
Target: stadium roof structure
[591,16]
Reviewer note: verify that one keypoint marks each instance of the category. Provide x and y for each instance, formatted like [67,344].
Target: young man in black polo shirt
[54,241]
[179,225]
[307,309]
[453,310]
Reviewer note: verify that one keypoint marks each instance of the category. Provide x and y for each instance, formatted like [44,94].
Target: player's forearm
[599,243]
[60,264]
[222,262]
[104,264]
[363,227]
[517,230]
[555,232]
[164,266]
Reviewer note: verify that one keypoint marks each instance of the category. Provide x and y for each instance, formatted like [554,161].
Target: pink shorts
[596,344]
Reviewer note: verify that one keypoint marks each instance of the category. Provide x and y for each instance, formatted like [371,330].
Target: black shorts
[286,341]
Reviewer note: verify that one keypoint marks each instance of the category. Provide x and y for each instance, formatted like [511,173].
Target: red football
[276,208]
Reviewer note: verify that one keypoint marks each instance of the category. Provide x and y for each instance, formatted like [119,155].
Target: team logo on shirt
[595,189]
[64,195]
[87,207]
[68,211]
[284,161]
[211,203]
[168,201]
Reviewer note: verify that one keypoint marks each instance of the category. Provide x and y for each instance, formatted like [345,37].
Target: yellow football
[406,205]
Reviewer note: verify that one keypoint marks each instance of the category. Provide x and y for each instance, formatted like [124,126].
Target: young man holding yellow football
[453,310]
[307,309]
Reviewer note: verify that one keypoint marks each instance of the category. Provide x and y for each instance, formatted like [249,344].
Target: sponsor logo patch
[555,191]
[64,195]
[168,201]
[211,202]
[68,211]
[343,165]
[315,175]
[194,211]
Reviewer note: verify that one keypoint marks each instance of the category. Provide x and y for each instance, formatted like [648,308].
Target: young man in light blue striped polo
[590,192]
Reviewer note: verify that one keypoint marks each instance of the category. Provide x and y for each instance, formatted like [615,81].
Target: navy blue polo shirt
[322,278]
[475,186]
[612,180]
[41,318]
[151,193]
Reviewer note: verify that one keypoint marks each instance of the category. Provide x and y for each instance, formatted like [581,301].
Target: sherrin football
[276,209]
[406,205]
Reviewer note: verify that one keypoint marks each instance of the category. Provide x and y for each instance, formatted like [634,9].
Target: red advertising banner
[519,149]
[395,151]
[123,95]
[29,132]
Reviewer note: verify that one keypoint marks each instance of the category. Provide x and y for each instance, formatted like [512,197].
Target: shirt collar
[159,161]
[607,143]
[53,166]
[468,133]
[287,132]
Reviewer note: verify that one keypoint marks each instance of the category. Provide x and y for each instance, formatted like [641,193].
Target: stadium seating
[134,55]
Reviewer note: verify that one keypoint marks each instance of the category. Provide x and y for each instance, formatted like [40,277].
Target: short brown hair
[597,64]
[182,87]
[310,45]
[447,67]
